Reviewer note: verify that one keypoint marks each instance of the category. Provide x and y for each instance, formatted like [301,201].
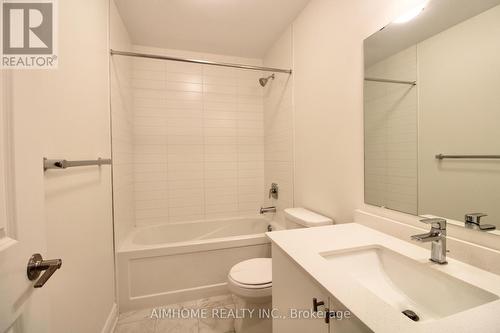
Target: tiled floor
[145,321]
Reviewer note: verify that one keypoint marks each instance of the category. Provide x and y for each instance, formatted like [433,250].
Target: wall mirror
[432,112]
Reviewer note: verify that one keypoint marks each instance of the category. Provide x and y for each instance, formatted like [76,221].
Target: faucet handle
[436,223]
[273,191]
[474,218]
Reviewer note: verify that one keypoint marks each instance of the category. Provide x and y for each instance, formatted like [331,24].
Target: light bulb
[411,14]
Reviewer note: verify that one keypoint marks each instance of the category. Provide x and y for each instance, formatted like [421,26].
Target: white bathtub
[174,263]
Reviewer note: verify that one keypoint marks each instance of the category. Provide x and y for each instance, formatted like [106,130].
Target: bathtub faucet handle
[273,191]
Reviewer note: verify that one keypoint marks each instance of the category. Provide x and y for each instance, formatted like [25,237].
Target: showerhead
[263,81]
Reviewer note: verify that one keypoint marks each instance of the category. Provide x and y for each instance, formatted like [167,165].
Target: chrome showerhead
[263,80]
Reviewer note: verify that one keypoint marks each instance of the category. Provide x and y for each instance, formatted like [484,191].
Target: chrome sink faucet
[437,236]
[473,221]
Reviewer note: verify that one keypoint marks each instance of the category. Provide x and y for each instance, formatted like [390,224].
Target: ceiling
[244,28]
[438,16]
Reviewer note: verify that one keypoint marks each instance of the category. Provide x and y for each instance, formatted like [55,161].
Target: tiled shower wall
[122,128]
[123,168]
[278,125]
[198,141]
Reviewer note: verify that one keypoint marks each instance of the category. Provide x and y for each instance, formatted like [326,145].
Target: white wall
[278,126]
[79,207]
[3,158]
[459,76]
[198,139]
[74,102]
[328,98]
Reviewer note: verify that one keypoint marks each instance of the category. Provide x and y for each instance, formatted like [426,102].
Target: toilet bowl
[250,281]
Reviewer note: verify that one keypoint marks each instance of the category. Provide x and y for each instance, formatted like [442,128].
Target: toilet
[250,281]
[303,218]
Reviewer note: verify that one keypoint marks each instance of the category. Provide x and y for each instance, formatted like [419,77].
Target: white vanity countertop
[305,245]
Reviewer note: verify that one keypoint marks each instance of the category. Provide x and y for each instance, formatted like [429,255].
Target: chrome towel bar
[484,157]
[64,164]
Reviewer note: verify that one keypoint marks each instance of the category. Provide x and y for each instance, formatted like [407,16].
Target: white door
[22,219]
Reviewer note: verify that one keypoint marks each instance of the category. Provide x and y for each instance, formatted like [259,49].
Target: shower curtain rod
[202,62]
[372,79]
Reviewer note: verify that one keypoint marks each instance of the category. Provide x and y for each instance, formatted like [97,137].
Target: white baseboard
[175,296]
[109,325]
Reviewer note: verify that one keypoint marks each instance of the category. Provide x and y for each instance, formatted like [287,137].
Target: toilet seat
[251,278]
[250,286]
[259,294]
[253,272]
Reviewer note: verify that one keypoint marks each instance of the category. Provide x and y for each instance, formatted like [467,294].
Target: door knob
[36,265]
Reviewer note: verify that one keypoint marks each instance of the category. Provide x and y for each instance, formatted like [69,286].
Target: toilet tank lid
[307,218]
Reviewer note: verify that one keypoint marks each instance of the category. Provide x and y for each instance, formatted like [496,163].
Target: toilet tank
[303,218]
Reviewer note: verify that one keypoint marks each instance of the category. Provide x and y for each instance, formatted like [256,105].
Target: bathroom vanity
[309,306]
[370,279]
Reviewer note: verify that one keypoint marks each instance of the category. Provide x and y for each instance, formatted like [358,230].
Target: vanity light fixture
[411,14]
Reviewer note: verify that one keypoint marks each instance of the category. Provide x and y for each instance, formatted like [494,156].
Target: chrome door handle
[36,265]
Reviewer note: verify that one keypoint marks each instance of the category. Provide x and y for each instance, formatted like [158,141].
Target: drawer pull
[317,304]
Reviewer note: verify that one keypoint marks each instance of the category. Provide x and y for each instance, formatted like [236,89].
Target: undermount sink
[408,284]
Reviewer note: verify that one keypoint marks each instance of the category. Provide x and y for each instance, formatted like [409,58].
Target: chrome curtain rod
[202,62]
[372,79]
[484,157]
[64,164]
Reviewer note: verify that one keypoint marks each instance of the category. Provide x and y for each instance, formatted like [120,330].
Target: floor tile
[132,316]
[215,301]
[211,325]
[177,326]
[144,326]
[155,320]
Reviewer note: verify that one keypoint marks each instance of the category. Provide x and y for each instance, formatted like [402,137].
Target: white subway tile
[220,89]
[148,75]
[221,140]
[220,123]
[184,86]
[184,77]
[191,146]
[183,67]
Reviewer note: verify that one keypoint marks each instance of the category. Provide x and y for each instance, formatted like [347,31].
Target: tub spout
[265,210]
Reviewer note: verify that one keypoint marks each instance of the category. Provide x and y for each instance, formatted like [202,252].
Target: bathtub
[173,263]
